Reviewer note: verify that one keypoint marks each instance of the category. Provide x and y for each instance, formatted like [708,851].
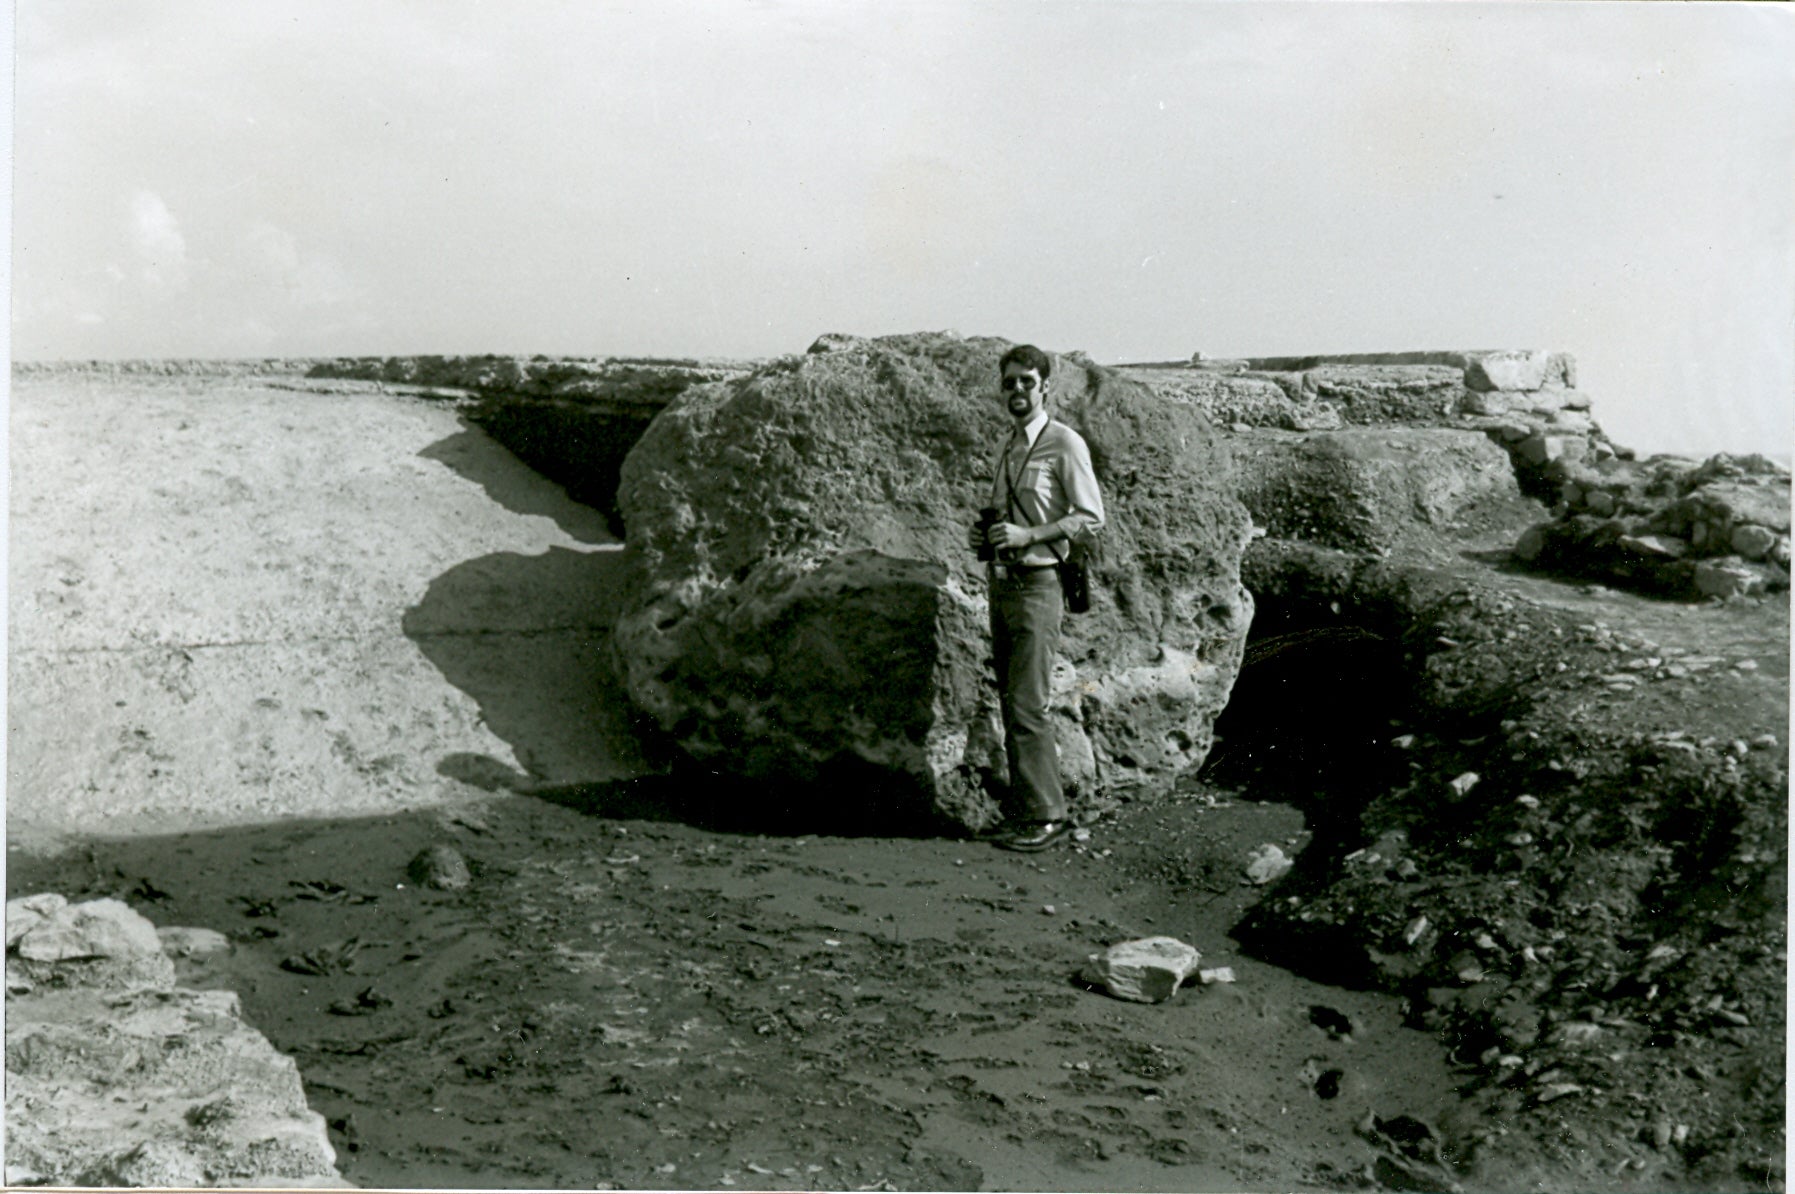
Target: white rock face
[116,1077]
[1518,370]
[1146,970]
[100,943]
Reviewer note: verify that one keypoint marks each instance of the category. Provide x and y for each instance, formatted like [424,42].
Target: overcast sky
[1137,180]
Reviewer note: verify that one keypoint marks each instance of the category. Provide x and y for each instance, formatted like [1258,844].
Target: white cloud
[156,235]
[275,261]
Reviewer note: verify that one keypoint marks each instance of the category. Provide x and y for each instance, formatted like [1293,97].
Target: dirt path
[654,1005]
[235,605]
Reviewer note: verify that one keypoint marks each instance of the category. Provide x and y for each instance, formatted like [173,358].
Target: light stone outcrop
[115,1076]
[807,610]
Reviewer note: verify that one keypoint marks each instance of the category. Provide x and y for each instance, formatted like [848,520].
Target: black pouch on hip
[1075,584]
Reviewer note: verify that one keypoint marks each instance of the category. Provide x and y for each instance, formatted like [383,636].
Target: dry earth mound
[808,609]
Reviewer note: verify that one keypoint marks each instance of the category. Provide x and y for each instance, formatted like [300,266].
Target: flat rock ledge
[116,1077]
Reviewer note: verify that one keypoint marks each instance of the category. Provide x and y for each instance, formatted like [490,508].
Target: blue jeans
[1025,636]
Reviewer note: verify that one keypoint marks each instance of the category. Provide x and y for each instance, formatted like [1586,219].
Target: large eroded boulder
[807,610]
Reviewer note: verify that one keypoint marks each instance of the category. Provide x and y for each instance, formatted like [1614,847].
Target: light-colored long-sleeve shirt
[1049,467]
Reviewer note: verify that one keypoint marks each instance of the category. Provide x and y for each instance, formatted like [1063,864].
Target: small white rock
[1221,974]
[1267,863]
[1146,970]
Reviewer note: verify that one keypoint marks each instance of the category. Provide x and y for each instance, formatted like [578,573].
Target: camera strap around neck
[1010,480]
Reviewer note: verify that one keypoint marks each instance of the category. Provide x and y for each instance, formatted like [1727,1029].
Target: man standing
[1046,497]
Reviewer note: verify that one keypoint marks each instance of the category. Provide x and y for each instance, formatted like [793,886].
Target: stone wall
[1524,400]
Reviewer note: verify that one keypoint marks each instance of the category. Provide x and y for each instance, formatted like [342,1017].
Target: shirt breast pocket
[1037,481]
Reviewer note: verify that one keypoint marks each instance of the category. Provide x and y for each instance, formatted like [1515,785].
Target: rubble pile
[1364,452]
[115,1076]
[1565,850]
[1669,525]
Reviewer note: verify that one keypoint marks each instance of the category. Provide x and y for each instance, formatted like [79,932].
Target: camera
[987,520]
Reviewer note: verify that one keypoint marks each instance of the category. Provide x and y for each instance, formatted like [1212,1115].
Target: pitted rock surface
[115,1076]
[1366,488]
[807,607]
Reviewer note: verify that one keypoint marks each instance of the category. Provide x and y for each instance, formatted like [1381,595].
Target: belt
[1018,571]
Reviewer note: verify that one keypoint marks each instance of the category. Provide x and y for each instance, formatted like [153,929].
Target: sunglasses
[1024,383]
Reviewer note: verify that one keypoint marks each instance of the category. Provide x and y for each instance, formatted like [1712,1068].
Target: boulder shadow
[507,480]
[849,800]
[528,637]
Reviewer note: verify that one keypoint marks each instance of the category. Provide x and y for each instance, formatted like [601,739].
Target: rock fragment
[116,1077]
[181,941]
[99,943]
[441,867]
[1267,863]
[1509,370]
[1721,578]
[1146,970]
[1753,542]
[25,912]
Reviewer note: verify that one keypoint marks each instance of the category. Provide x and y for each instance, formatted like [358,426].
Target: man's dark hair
[1029,357]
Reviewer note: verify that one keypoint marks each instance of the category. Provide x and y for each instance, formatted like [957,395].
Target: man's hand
[1007,536]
